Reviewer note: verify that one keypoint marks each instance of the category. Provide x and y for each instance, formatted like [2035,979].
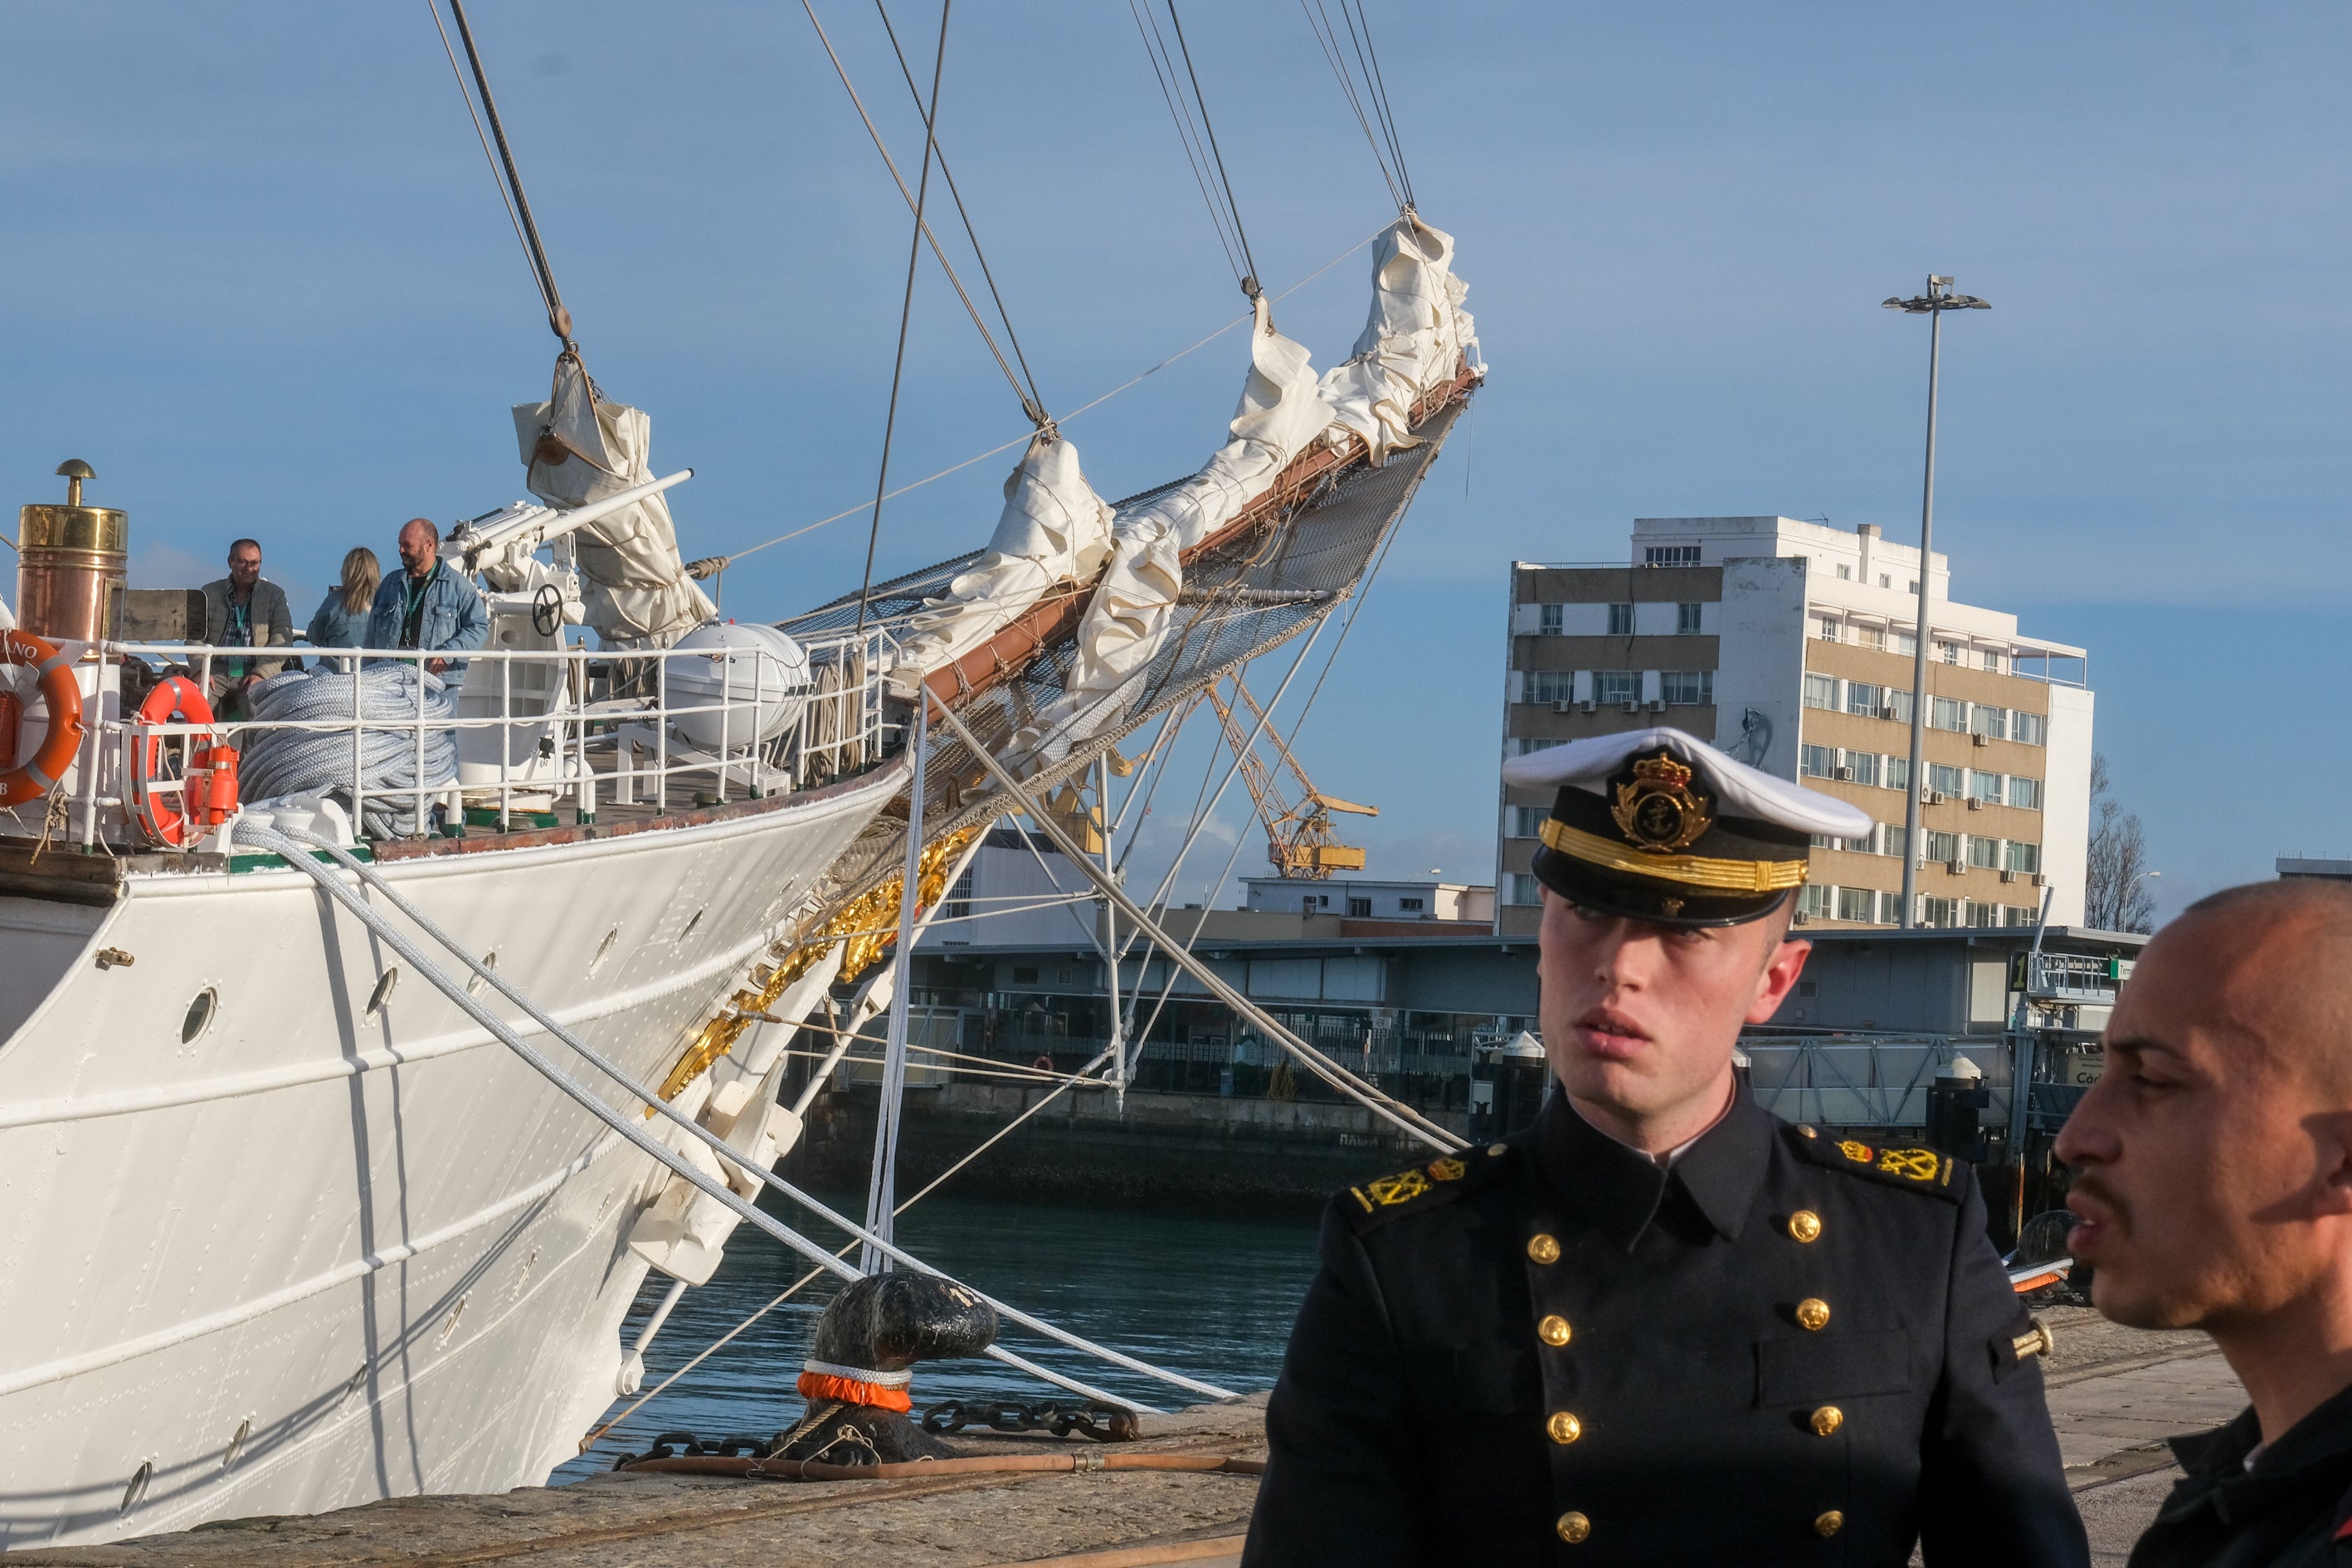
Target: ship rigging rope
[1019,799]
[559,320]
[292,852]
[1030,403]
[1327,37]
[1068,1082]
[906,309]
[1035,403]
[1132,380]
[1195,103]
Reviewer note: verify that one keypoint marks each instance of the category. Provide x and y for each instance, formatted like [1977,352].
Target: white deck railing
[531,728]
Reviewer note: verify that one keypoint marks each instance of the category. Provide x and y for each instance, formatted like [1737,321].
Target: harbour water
[1210,1296]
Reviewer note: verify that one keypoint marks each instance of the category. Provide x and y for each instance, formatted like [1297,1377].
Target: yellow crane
[1298,841]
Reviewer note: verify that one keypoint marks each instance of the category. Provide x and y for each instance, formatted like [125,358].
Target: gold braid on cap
[1700,871]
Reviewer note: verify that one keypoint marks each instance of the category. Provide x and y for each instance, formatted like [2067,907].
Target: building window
[1845,574]
[1813,900]
[1024,974]
[1528,744]
[1884,581]
[1991,659]
[1949,652]
[957,904]
[1826,628]
[1687,618]
[1863,697]
[1549,619]
[2017,917]
[1412,906]
[2031,728]
[1686,688]
[1359,909]
[2025,856]
[1859,905]
[1527,821]
[1984,853]
[1550,685]
[1912,586]
[1902,643]
[1890,838]
[1862,768]
[1947,781]
[1898,704]
[1870,636]
[1985,787]
[1898,774]
[1525,888]
[1821,691]
[1617,685]
[1986,719]
[1816,762]
[1670,555]
[1943,848]
[1947,713]
[1984,914]
[1621,620]
[2026,792]
[1943,913]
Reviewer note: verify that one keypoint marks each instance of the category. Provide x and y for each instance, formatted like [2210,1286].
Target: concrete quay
[2116,1394]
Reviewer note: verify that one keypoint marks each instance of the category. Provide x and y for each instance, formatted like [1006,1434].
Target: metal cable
[559,320]
[1028,403]
[1326,35]
[1163,69]
[458,73]
[906,310]
[1249,284]
[1036,402]
[1369,60]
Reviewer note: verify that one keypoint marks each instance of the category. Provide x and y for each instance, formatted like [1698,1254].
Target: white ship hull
[380,1246]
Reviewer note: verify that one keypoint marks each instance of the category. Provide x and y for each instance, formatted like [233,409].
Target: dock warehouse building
[1789,645]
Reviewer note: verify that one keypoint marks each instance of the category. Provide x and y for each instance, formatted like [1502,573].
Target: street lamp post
[1932,305]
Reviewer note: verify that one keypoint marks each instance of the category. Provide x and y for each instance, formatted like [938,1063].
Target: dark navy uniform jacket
[1791,1348]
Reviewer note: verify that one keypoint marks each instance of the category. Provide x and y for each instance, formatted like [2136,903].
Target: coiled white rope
[303,761]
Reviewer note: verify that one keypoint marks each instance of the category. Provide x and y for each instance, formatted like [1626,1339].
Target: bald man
[2213,1189]
[429,604]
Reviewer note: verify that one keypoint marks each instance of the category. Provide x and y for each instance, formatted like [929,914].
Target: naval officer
[1662,1326]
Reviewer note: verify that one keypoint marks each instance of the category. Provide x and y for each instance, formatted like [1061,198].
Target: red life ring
[209,766]
[33,778]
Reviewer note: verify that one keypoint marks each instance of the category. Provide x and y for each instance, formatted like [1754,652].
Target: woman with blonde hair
[342,616]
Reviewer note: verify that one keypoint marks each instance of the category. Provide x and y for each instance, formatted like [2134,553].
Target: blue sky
[259,277]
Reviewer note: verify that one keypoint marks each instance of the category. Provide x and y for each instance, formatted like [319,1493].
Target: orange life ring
[33,778]
[176,699]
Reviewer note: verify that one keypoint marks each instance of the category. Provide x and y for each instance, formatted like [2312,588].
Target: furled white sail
[1053,530]
[580,448]
[1417,335]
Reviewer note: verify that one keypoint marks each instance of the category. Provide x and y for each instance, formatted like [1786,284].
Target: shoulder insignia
[1920,1169]
[1376,1202]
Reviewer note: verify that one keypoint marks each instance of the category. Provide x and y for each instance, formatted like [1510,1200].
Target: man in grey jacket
[429,604]
[243,610]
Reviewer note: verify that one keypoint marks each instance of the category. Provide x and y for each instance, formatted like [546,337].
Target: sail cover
[580,448]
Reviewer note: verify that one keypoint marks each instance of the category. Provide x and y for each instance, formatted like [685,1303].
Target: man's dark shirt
[1552,1351]
[413,610]
[2288,1512]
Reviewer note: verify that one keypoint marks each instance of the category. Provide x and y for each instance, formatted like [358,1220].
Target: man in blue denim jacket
[431,606]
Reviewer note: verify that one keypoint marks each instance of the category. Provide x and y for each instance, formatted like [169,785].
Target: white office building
[1789,645]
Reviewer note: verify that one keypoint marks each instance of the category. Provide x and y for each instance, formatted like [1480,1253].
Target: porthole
[199,1015]
[691,925]
[489,960]
[603,950]
[382,992]
[236,1442]
[136,1493]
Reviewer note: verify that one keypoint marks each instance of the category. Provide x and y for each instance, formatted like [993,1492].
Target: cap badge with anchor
[1657,810]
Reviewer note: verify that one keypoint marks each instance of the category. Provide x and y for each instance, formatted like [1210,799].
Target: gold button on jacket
[1828,1524]
[1805,1226]
[1567,1353]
